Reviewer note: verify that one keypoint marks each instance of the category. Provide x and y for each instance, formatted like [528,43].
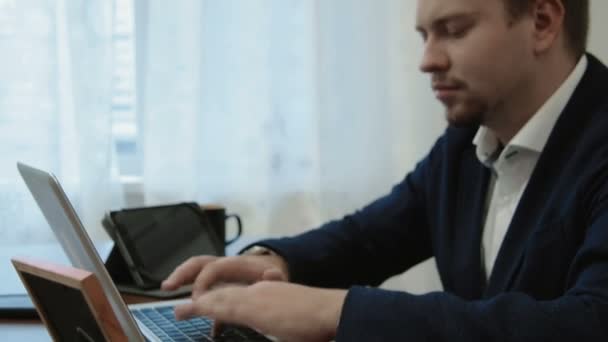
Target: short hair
[576,21]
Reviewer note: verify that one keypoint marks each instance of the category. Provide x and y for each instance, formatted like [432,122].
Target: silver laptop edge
[61,216]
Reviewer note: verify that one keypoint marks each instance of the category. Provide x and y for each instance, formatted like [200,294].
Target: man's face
[479,61]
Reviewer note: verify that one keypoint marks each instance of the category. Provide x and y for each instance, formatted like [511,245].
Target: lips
[445,92]
[445,86]
[445,89]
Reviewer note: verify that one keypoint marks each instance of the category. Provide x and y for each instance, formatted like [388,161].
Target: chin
[459,116]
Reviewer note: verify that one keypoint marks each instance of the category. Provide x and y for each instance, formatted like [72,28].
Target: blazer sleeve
[383,239]
[580,314]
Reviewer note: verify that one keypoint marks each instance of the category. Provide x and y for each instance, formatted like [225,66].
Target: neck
[529,95]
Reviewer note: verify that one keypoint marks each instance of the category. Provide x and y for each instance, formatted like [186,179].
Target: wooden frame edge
[84,281]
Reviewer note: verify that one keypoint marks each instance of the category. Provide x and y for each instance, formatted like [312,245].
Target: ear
[548,18]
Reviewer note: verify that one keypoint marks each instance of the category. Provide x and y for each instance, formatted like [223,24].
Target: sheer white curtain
[289,112]
[56,76]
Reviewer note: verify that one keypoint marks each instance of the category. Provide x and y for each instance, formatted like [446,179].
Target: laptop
[142,322]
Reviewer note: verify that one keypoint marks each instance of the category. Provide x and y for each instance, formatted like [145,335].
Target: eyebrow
[447,18]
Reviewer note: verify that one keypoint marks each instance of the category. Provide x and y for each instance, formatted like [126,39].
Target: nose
[435,58]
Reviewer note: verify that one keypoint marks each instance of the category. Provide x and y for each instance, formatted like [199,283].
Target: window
[39,108]
[124,126]
[124,103]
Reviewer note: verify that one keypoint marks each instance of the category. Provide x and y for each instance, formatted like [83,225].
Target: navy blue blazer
[550,280]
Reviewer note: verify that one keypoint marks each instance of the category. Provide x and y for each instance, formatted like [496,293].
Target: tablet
[155,240]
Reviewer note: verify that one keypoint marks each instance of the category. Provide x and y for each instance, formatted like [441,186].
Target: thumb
[274,274]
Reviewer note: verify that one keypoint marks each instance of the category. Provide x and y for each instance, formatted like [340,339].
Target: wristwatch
[257,250]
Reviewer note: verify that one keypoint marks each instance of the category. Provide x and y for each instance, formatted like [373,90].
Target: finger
[224,305]
[186,272]
[184,311]
[227,270]
[232,305]
[274,274]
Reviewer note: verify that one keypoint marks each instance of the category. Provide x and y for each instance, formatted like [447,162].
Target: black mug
[217,217]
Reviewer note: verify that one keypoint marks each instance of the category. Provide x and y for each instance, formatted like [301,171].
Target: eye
[456,29]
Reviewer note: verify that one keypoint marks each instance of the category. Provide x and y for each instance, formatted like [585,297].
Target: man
[512,201]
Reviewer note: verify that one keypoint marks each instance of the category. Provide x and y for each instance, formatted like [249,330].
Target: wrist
[333,311]
[269,255]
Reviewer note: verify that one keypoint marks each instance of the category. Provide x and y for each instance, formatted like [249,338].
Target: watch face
[257,250]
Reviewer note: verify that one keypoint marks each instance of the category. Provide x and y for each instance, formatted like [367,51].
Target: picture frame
[70,301]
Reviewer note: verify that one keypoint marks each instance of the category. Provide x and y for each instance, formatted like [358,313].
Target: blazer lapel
[466,272]
[530,209]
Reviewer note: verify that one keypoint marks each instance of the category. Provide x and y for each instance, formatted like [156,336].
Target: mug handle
[239,227]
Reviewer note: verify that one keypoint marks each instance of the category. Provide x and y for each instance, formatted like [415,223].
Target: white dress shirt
[513,166]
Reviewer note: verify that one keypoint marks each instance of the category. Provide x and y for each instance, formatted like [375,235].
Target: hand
[287,311]
[208,271]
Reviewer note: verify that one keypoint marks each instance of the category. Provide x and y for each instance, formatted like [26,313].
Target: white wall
[423,278]
[599,28]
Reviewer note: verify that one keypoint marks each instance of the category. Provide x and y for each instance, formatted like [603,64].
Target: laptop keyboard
[161,321]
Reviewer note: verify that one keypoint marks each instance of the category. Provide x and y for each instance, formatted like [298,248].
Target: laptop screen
[72,236]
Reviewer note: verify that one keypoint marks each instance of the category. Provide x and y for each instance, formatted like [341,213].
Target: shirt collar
[534,134]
